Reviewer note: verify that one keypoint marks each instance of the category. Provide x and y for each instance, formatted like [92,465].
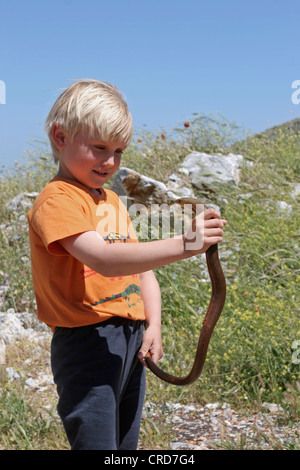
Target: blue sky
[170,58]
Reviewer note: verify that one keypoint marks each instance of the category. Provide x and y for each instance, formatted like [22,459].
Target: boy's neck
[95,191]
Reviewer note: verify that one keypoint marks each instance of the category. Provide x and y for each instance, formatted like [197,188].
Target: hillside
[253,357]
[292,127]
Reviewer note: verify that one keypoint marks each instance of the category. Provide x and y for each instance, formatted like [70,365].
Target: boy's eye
[102,147]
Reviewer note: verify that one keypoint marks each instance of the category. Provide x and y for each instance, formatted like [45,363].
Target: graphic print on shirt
[127,292]
[114,237]
[114,226]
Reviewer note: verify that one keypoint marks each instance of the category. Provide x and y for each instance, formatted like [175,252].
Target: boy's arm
[133,258]
[150,292]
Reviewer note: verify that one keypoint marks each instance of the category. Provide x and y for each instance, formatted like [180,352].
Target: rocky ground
[218,426]
[192,427]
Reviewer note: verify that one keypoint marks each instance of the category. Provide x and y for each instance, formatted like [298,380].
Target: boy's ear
[58,136]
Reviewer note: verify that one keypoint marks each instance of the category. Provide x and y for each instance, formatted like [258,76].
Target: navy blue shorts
[100,383]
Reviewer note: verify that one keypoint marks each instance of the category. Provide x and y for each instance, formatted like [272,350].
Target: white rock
[10,327]
[21,325]
[205,170]
[212,406]
[140,188]
[284,209]
[188,408]
[30,382]
[2,351]
[21,202]
[296,190]
[137,187]
[273,407]
[12,374]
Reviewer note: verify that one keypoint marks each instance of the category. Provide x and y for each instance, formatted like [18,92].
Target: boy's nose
[108,159]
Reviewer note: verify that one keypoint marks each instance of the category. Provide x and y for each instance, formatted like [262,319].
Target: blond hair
[93,107]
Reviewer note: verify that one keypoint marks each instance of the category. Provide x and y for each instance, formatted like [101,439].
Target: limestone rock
[205,170]
[20,325]
[22,202]
[138,188]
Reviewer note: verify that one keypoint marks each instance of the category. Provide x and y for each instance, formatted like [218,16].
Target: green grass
[250,356]
[28,418]
[22,427]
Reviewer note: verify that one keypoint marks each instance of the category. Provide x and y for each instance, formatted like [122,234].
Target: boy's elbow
[106,272]
[106,267]
[102,263]
[103,268]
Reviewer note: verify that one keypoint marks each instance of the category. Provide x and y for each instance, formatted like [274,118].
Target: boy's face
[89,161]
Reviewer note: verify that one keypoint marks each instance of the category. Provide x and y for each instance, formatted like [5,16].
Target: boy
[93,282]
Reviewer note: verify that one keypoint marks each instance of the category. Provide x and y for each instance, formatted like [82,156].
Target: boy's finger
[214,223]
[210,212]
[143,351]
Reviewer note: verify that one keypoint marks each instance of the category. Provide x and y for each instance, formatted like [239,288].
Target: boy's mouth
[104,174]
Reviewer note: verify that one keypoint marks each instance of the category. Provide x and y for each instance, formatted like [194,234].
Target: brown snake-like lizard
[218,294]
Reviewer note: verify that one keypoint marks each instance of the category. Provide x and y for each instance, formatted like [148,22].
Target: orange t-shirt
[68,293]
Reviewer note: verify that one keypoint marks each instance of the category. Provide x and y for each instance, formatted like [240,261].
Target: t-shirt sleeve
[59,217]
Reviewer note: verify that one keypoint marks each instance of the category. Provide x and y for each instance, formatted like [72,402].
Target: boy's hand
[152,343]
[205,230]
